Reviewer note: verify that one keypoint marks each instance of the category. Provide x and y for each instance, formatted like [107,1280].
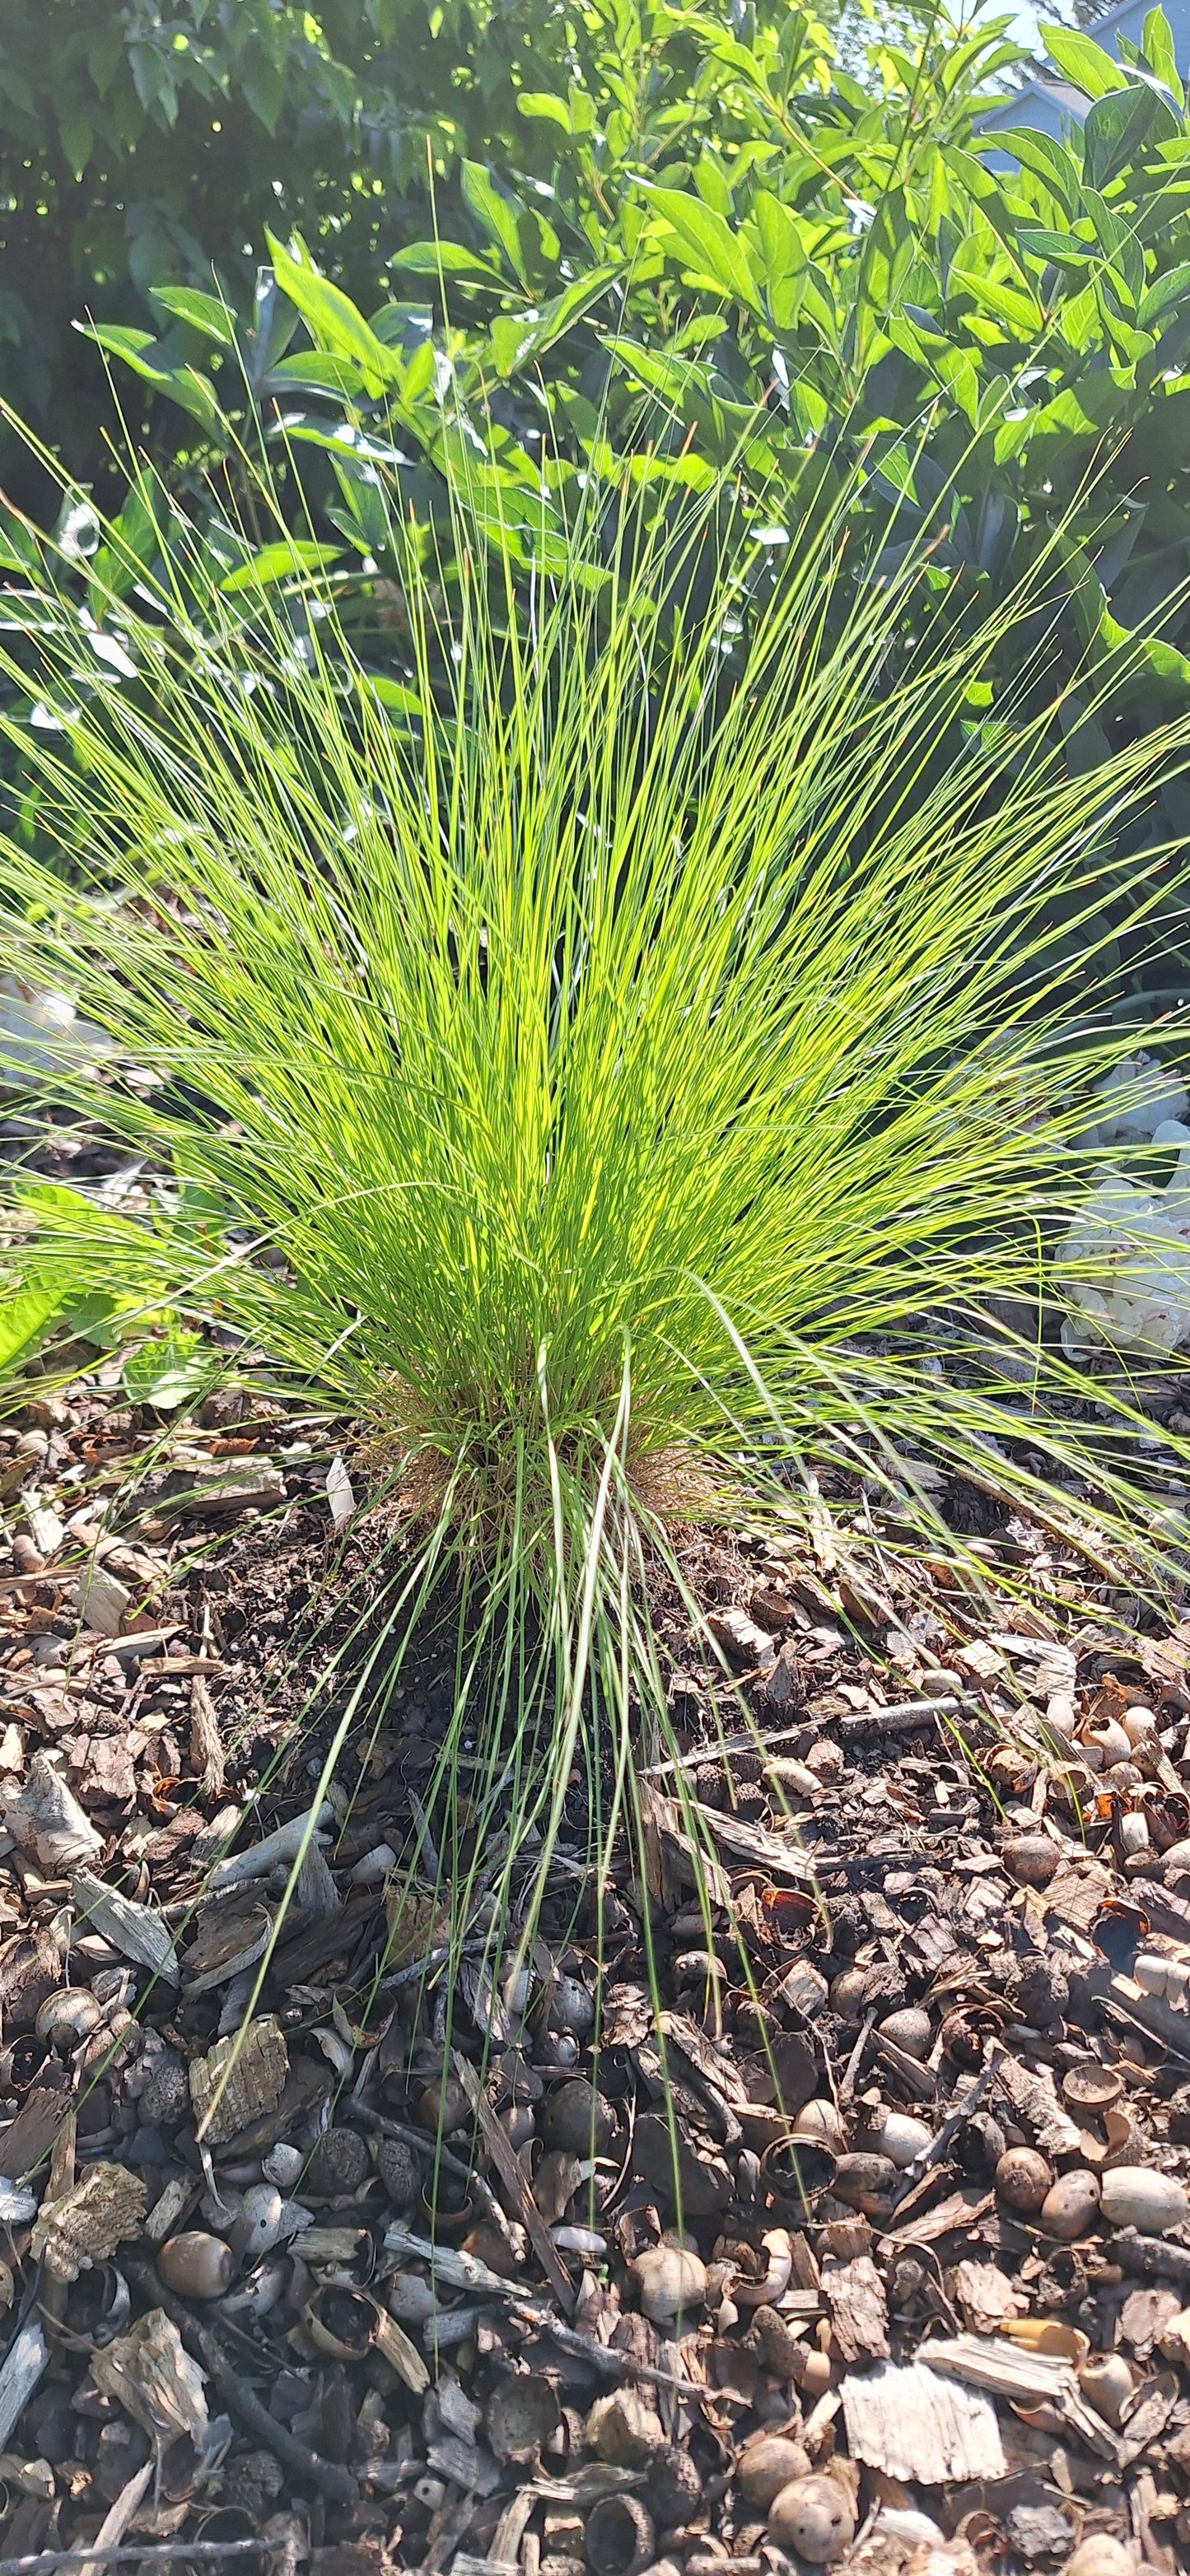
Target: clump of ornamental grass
[608,1064]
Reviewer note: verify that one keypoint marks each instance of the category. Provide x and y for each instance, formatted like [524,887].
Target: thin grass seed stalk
[624,1054]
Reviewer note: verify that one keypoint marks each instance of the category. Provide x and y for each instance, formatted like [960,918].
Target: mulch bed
[906,2285]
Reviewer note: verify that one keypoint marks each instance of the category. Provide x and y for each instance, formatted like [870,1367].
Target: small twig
[1149,2256]
[512,2175]
[243,2401]
[462,2271]
[900,1718]
[430,2148]
[207,1755]
[155,2553]
[118,2518]
[620,2365]
[933,2154]
[851,2070]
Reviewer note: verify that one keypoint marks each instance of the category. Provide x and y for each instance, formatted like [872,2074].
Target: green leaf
[204,313]
[1158,51]
[312,369]
[262,79]
[1117,130]
[1173,288]
[25,1320]
[518,336]
[169,1372]
[708,245]
[133,542]
[448,259]
[543,104]
[1053,163]
[1010,304]
[335,324]
[78,141]
[502,218]
[281,562]
[1061,248]
[1083,62]
[182,385]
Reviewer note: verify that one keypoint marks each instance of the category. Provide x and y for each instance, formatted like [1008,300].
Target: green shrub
[634,1059]
[684,252]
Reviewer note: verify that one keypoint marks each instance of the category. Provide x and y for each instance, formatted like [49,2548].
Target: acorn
[864,2181]
[1101,2556]
[518,2123]
[196,2265]
[784,2352]
[673,2488]
[899,2137]
[1103,1744]
[1107,2385]
[961,2041]
[68,2017]
[1042,1990]
[1072,2206]
[571,2008]
[980,2144]
[338,2166]
[847,1995]
[1136,2196]
[166,2097]
[399,2167]
[619,2538]
[259,2223]
[820,2120]
[522,2412]
[813,2517]
[623,2428]
[1030,1859]
[766,2466]
[909,2029]
[1139,1724]
[671,2279]
[1090,2090]
[1022,2179]
[574,2116]
[253,2480]
[442,2108]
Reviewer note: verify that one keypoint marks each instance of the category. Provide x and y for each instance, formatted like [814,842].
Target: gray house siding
[1051,106]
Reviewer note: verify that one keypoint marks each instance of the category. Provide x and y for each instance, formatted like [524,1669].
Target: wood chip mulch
[869,2248]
